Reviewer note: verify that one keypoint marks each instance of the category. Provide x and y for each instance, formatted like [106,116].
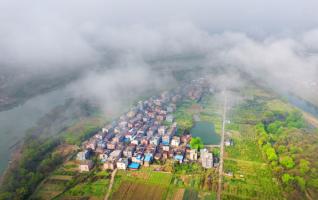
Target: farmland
[147,183]
[270,151]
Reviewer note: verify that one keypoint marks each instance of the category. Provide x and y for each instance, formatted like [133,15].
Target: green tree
[282,149]
[216,152]
[275,127]
[295,120]
[271,154]
[287,178]
[196,143]
[301,182]
[287,162]
[304,166]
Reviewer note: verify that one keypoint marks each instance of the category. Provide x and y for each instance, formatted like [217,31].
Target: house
[166,147]
[155,140]
[165,155]
[172,131]
[145,141]
[111,145]
[135,141]
[160,117]
[158,156]
[108,137]
[118,138]
[175,141]
[123,124]
[83,155]
[206,158]
[101,144]
[179,158]
[91,144]
[133,166]
[228,142]
[107,129]
[103,157]
[131,114]
[148,160]
[161,130]
[99,150]
[152,130]
[169,118]
[85,165]
[129,151]
[170,109]
[122,163]
[116,154]
[193,154]
[185,138]
[166,139]
[216,161]
[138,158]
[109,164]
[116,130]
[171,154]
[99,136]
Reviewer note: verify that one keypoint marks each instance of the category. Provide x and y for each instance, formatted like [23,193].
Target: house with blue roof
[148,160]
[133,166]
[179,158]
[138,158]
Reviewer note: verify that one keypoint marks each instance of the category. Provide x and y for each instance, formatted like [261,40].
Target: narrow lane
[222,148]
[111,184]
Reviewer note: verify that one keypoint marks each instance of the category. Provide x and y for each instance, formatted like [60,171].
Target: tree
[295,120]
[216,152]
[282,149]
[185,122]
[271,154]
[304,166]
[196,143]
[287,162]
[287,178]
[301,182]
[275,127]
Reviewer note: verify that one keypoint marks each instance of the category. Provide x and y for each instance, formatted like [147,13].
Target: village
[147,134]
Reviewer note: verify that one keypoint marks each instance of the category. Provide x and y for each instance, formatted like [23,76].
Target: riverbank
[15,123]
[15,157]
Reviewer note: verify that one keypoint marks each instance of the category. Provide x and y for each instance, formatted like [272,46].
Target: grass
[95,189]
[252,177]
[146,175]
[251,180]
[171,185]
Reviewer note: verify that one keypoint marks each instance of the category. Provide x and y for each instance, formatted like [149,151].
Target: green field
[147,183]
[273,149]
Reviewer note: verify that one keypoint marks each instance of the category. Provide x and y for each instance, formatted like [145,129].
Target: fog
[125,48]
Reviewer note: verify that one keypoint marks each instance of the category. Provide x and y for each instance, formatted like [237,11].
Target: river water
[15,122]
[303,104]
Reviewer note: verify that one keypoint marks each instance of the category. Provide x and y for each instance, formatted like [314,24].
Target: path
[111,184]
[222,148]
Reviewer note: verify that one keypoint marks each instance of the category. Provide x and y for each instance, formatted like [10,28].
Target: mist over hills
[49,45]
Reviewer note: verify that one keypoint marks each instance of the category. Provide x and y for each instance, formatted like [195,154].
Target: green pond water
[206,131]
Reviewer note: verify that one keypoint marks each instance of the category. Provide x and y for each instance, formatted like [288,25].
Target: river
[15,122]
[303,104]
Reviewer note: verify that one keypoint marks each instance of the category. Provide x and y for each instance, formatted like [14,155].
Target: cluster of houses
[144,134]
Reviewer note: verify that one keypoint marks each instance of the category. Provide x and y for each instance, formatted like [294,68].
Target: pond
[206,131]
